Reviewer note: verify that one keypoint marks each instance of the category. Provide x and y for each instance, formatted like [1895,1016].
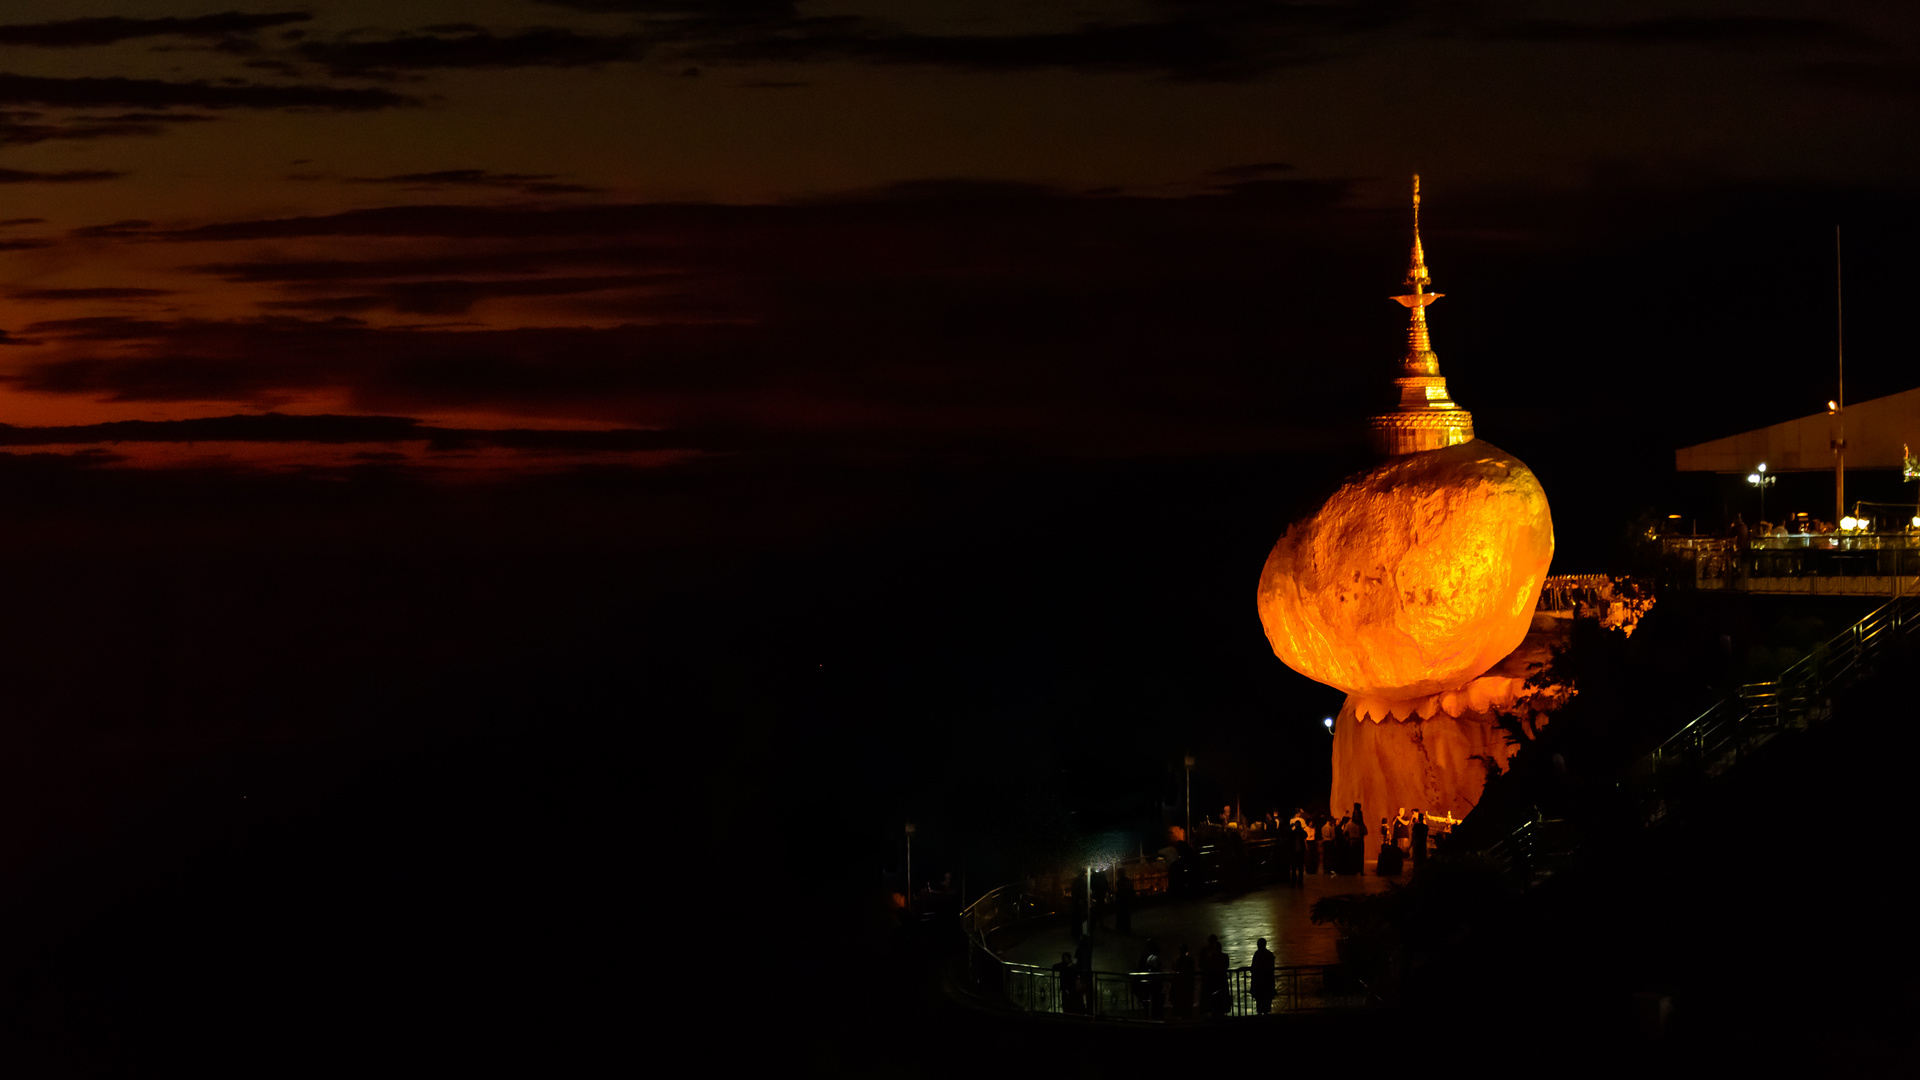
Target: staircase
[1732,729]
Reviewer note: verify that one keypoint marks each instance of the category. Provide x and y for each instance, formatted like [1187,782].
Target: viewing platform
[1823,564]
[1018,933]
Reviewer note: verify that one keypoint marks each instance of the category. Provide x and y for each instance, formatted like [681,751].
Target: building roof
[1876,431]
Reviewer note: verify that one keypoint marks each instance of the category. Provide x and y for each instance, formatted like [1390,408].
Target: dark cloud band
[70,176]
[112,91]
[73,33]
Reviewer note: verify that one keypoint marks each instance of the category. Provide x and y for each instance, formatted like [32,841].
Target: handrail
[1732,726]
[1564,592]
[1118,995]
[1152,876]
[977,918]
[1838,655]
[1157,996]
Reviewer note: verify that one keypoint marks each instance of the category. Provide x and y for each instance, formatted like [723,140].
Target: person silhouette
[1101,895]
[1388,862]
[1077,905]
[1146,985]
[1064,982]
[1181,1000]
[1296,840]
[1356,842]
[1213,978]
[1262,981]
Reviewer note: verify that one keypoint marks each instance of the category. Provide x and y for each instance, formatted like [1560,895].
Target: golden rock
[1413,589]
[1415,577]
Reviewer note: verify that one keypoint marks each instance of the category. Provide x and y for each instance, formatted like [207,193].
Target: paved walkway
[1281,914]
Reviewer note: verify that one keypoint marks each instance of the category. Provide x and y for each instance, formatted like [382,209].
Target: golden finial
[1420,359]
[1427,419]
[1417,276]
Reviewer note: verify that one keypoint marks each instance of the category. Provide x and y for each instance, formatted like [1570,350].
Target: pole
[1189,798]
[909,867]
[1840,401]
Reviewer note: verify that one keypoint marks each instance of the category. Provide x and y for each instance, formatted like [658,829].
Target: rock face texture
[1419,764]
[1414,578]
[1432,759]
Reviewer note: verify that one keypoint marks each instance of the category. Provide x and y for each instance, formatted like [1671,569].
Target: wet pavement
[1277,912]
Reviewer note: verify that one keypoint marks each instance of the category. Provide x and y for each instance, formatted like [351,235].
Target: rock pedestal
[1419,764]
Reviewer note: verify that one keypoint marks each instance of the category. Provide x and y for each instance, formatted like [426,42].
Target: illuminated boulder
[1414,577]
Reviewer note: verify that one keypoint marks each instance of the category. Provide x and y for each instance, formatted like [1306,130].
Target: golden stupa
[1410,584]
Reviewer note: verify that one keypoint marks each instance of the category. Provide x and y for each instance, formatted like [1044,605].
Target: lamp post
[1762,481]
[1838,406]
[1189,833]
[909,867]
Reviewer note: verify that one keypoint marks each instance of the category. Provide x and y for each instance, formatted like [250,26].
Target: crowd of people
[1321,843]
[1796,526]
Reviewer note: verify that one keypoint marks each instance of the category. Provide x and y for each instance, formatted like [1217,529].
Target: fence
[1730,729]
[1801,697]
[1217,858]
[1162,996]
[1838,563]
[1042,896]
[1565,592]
[1139,996]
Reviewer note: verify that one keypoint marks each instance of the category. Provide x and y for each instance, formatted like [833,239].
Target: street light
[1762,481]
[1329,722]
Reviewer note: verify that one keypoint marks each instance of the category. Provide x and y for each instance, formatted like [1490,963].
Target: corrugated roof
[1875,431]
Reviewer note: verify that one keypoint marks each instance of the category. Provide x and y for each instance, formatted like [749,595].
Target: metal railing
[1537,849]
[1728,730]
[1216,858]
[1566,592]
[1838,563]
[1135,996]
[1802,696]
[1150,996]
[1010,906]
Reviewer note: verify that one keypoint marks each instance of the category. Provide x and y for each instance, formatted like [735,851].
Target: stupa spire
[1417,276]
[1426,418]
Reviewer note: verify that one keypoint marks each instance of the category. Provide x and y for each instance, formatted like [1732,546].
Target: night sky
[473,469]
